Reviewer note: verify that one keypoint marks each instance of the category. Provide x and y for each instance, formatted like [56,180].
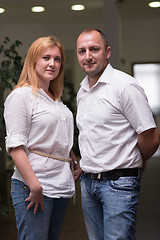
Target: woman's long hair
[28,75]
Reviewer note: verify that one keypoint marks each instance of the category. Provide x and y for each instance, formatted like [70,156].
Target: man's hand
[143,167]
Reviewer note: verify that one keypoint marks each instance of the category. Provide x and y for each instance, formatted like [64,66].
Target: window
[148,75]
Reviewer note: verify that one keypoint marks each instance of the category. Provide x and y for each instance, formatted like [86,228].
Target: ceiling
[60,10]
[56,10]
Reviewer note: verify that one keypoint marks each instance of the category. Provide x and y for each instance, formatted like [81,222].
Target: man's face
[92,54]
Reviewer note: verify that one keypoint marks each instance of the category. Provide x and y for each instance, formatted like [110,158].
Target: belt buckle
[95,176]
[99,176]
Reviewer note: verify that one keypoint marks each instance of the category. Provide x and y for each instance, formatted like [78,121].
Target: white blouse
[40,123]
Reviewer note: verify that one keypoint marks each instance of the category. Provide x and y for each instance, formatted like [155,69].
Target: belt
[50,155]
[114,174]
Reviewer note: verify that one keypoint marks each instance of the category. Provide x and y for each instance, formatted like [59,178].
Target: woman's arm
[22,163]
[77,169]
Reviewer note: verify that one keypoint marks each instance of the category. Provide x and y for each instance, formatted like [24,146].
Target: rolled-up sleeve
[17,115]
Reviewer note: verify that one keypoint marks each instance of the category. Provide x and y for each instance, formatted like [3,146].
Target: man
[117,135]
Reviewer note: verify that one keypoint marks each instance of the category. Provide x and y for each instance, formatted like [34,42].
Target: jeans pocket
[82,176]
[19,191]
[125,184]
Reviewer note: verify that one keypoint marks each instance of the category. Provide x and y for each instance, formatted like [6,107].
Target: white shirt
[38,122]
[110,116]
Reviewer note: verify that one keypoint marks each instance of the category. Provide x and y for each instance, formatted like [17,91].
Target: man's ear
[108,52]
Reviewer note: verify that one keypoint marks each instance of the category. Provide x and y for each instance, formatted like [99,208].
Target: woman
[39,139]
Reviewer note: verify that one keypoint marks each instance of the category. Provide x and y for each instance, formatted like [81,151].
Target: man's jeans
[110,207]
[42,225]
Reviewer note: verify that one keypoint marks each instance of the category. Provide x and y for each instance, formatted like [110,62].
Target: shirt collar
[104,78]
[44,94]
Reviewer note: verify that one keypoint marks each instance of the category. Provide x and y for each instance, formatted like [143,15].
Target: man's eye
[95,49]
[81,51]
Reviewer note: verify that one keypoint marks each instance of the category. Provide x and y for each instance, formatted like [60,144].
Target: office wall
[27,32]
[139,37]
[140,41]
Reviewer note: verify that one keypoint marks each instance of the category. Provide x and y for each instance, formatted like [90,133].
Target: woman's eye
[46,58]
[57,59]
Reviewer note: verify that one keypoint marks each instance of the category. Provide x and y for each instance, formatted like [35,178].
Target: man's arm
[148,142]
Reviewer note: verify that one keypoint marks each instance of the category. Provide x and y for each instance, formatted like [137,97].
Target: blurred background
[132,29]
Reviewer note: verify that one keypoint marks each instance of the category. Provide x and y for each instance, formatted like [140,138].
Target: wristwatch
[75,163]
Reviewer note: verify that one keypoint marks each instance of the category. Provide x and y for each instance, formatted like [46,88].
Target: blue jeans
[110,207]
[42,225]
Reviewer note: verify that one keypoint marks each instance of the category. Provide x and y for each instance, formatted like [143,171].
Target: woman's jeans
[44,225]
[110,207]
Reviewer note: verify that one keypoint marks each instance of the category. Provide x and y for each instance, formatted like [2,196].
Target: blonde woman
[39,139]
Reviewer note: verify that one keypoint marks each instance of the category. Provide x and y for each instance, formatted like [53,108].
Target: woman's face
[48,65]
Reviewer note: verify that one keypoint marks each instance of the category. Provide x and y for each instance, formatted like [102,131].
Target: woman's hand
[77,171]
[35,198]
[24,167]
